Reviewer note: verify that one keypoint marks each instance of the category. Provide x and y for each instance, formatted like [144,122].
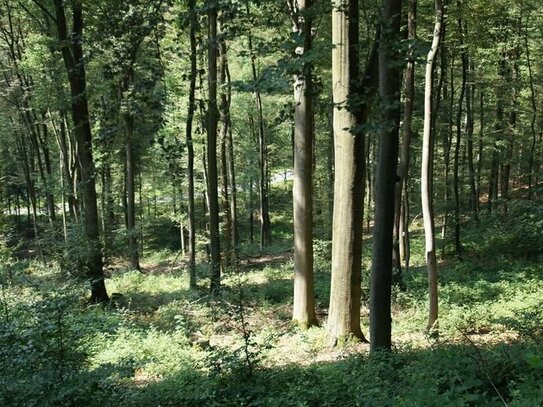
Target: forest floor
[159,343]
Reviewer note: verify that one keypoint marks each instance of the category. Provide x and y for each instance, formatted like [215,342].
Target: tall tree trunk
[533,106]
[344,311]
[401,232]
[447,138]
[265,225]
[456,160]
[496,165]
[72,53]
[427,170]
[225,101]
[385,178]
[302,191]
[190,146]
[213,118]
[33,131]
[480,145]
[63,147]
[512,79]
[133,252]
[470,94]
[32,207]
[232,177]
[43,141]
[330,175]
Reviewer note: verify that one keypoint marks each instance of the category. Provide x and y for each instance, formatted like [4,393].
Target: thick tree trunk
[302,191]
[344,311]
[385,179]
[427,170]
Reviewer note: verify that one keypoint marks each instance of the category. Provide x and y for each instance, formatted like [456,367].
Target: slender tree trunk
[32,207]
[213,118]
[330,176]
[513,75]
[401,232]
[496,164]
[223,136]
[43,141]
[480,146]
[447,136]
[533,105]
[302,191]
[456,160]
[190,146]
[265,225]
[230,158]
[128,121]
[474,198]
[33,130]
[370,159]
[251,211]
[427,170]
[72,53]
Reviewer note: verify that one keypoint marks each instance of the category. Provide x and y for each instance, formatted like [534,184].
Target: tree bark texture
[302,192]
[385,178]
[344,311]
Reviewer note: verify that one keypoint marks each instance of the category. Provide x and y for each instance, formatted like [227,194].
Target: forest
[271,203]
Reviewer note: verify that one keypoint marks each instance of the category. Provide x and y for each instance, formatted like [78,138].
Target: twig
[483,362]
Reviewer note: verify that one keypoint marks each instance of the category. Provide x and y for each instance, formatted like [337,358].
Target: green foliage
[519,232]
[163,344]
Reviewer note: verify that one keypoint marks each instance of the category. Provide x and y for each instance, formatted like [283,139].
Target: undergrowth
[158,343]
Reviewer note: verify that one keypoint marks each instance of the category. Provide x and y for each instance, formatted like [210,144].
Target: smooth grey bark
[349,159]
[427,170]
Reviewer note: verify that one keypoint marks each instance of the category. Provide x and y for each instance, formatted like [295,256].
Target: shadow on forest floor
[443,375]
